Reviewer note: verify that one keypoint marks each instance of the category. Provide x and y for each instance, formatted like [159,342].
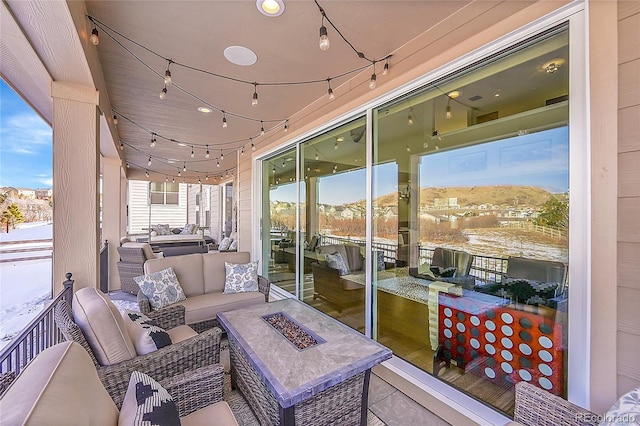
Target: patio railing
[37,336]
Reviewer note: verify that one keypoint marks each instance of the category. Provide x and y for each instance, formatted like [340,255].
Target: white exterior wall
[138,200]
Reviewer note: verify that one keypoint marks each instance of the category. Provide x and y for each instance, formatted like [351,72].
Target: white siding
[138,200]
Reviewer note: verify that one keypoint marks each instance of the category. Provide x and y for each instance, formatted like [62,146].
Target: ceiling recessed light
[553,65]
[271,8]
[240,55]
[205,110]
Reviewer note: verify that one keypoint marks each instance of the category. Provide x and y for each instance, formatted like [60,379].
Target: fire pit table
[296,365]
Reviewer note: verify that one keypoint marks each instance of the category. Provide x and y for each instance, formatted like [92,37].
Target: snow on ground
[24,286]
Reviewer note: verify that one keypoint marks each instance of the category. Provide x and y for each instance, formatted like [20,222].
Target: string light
[121,146]
[254,100]
[316,157]
[242,150]
[146,173]
[324,38]
[173,180]
[167,75]
[330,90]
[184,166]
[286,126]
[224,120]
[193,154]
[372,82]
[115,119]
[127,165]
[221,155]
[179,173]
[410,117]
[207,154]
[206,177]
[163,93]
[335,146]
[385,70]
[149,162]
[261,128]
[152,144]
[217,163]
[253,147]
[95,38]
[447,111]
[199,181]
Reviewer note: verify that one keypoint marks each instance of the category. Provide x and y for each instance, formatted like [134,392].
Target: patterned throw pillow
[189,229]
[380,260]
[161,288]
[224,244]
[161,229]
[626,410]
[233,246]
[241,277]
[146,335]
[440,271]
[336,261]
[147,403]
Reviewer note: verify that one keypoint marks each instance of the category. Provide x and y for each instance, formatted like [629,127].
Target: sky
[538,159]
[26,157]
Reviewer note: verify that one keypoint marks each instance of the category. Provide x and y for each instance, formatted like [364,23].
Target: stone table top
[293,375]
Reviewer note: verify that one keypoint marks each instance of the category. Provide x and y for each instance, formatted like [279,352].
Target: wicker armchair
[537,407]
[132,258]
[167,362]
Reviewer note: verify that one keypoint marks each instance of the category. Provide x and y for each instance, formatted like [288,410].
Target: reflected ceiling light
[553,65]
[447,111]
[205,110]
[454,94]
[270,8]
[340,138]
[410,117]
[240,55]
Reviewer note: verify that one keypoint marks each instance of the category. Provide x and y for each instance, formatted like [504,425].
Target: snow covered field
[25,286]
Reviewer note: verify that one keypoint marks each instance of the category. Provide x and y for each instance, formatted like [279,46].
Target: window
[166,193]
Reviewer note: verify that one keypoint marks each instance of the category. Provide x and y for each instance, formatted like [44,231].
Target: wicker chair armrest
[264,286]
[5,380]
[196,389]
[143,303]
[188,355]
[168,317]
[537,407]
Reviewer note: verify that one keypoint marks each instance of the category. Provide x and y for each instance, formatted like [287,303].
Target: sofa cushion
[188,270]
[102,326]
[220,411]
[147,337]
[207,306]
[147,403]
[146,249]
[214,271]
[240,277]
[181,333]
[59,386]
[162,288]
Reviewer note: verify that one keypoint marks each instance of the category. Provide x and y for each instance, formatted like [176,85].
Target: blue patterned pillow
[147,337]
[626,411]
[161,288]
[336,261]
[241,277]
[147,403]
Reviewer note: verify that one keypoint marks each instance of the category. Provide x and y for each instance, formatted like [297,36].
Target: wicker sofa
[328,284]
[61,387]
[202,278]
[96,324]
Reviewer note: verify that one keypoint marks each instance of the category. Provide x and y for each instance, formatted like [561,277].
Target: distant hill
[466,195]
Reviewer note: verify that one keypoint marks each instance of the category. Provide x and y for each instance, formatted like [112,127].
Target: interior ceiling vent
[475,98]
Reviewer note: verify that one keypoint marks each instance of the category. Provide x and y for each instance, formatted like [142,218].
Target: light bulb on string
[206,177]
[221,155]
[254,100]
[167,75]
[261,128]
[253,147]
[173,179]
[184,166]
[152,144]
[166,178]
[242,150]
[179,173]
[193,154]
[335,146]
[224,120]
[95,38]
[447,111]
[146,173]
[127,165]
[332,96]
[286,126]
[149,162]
[199,180]
[115,119]
[324,42]
[410,117]
[163,93]
[372,81]
[385,70]
[217,163]
[121,146]
[316,157]
[207,153]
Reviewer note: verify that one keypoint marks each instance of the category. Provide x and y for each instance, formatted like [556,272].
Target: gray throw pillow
[336,261]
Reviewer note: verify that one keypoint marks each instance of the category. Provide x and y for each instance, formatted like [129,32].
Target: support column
[75,184]
[111,213]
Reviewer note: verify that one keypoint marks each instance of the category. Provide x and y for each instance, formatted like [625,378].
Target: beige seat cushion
[219,414]
[214,271]
[146,248]
[102,326]
[180,333]
[59,387]
[206,306]
[188,270]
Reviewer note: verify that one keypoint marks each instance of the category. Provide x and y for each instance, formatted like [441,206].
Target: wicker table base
[323,385]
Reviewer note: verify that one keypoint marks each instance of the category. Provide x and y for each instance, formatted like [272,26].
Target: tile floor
[392,406]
